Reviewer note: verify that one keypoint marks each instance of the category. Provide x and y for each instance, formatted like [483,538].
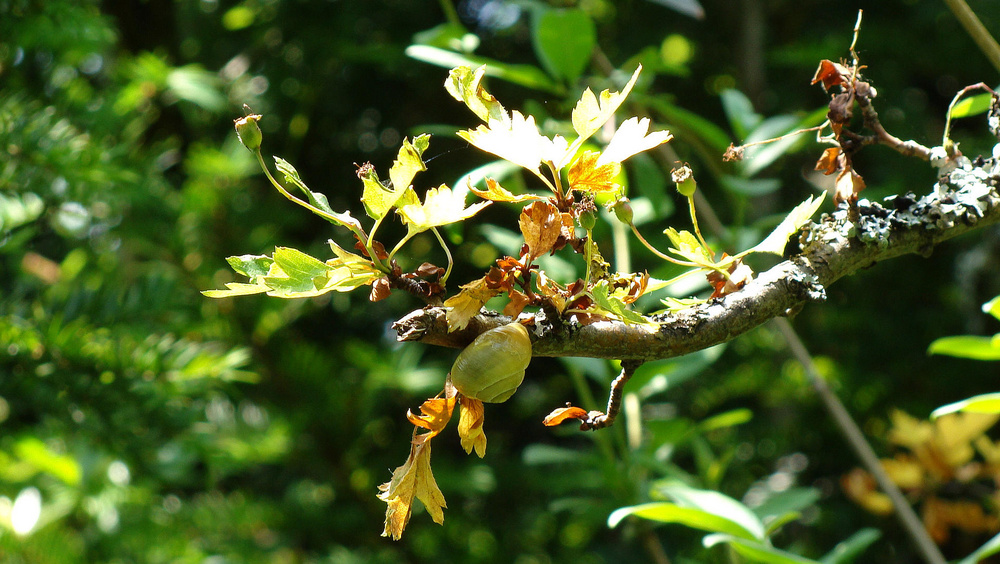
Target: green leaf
[605,300]
[441,206]
[525,75]
[665,512]
[740,112]
[729,418]
[198,86]
[776,241]
[973,105]
[251,266]
[563,40]
[991,547]
[967,346]
[716,504]
[686,245]
[316,199]
[750,187]
[756,551]
[792,500]
[466,85]
[237,289]
[41,458]
[848,550]
[984,403]
[992,307]
[759,157]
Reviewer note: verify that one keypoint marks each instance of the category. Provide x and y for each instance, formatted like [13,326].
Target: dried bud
[249,132]
[685,181]
[622,210]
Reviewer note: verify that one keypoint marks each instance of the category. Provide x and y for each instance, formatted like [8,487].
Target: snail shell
[492,367]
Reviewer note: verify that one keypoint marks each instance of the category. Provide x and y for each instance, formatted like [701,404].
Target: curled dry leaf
[831,74]
[849,183]
[470,426]
[739,275]
[464,305]
[563,414]
[414,478]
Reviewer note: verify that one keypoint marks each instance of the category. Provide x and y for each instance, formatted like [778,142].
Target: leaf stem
[697,230]
[665,257]
[447,252]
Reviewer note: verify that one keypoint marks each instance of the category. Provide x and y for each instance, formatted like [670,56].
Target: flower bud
[622,210]
[684,178]
[588,219]
[249,132]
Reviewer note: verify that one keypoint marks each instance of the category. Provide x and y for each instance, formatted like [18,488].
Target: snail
[492,367]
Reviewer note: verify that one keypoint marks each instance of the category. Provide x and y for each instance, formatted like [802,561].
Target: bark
[964,199]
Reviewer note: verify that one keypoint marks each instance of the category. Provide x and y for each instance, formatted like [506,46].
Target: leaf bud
[249,132]
[684,178]
[622,210]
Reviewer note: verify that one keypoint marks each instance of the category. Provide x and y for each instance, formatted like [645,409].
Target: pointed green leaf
[686,245]
[972,105]
[984,403]
[847,551]
[756,551]
[776,241]
[991,547]
[564,40]
[316,199]
[967,346]
[717,504]
[525,75]
[665,512]
[236,289]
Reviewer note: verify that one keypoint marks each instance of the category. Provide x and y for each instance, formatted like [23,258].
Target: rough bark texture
[965,198]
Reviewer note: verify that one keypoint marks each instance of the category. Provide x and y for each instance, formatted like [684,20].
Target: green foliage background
[161,426]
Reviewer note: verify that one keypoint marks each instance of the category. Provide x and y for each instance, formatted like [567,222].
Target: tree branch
[964,199]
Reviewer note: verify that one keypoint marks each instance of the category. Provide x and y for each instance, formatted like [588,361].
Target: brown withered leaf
[733,153]
[848,184]
[380,289]
[585,175]
[464,305]
[470,426]
[413,479]
[494,191]
[830,162]
[517,303]
[427,270]
[563,414]
[540,223]
[831,74]
[739,275]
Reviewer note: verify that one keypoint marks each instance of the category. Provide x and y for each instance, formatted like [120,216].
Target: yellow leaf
[497,193]
[441,206]
[466,85]
[776,241]
[518,141]
[586,174]
[632,138]
[470,426]
[414,479]
[464,305]
[434,413]
[561,414]
[590,112]
[686,245]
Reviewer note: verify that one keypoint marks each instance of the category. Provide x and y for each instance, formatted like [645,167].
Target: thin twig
[975,28]
[600,420]
[856,439]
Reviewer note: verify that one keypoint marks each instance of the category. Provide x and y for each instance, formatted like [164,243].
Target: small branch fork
[599,420]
